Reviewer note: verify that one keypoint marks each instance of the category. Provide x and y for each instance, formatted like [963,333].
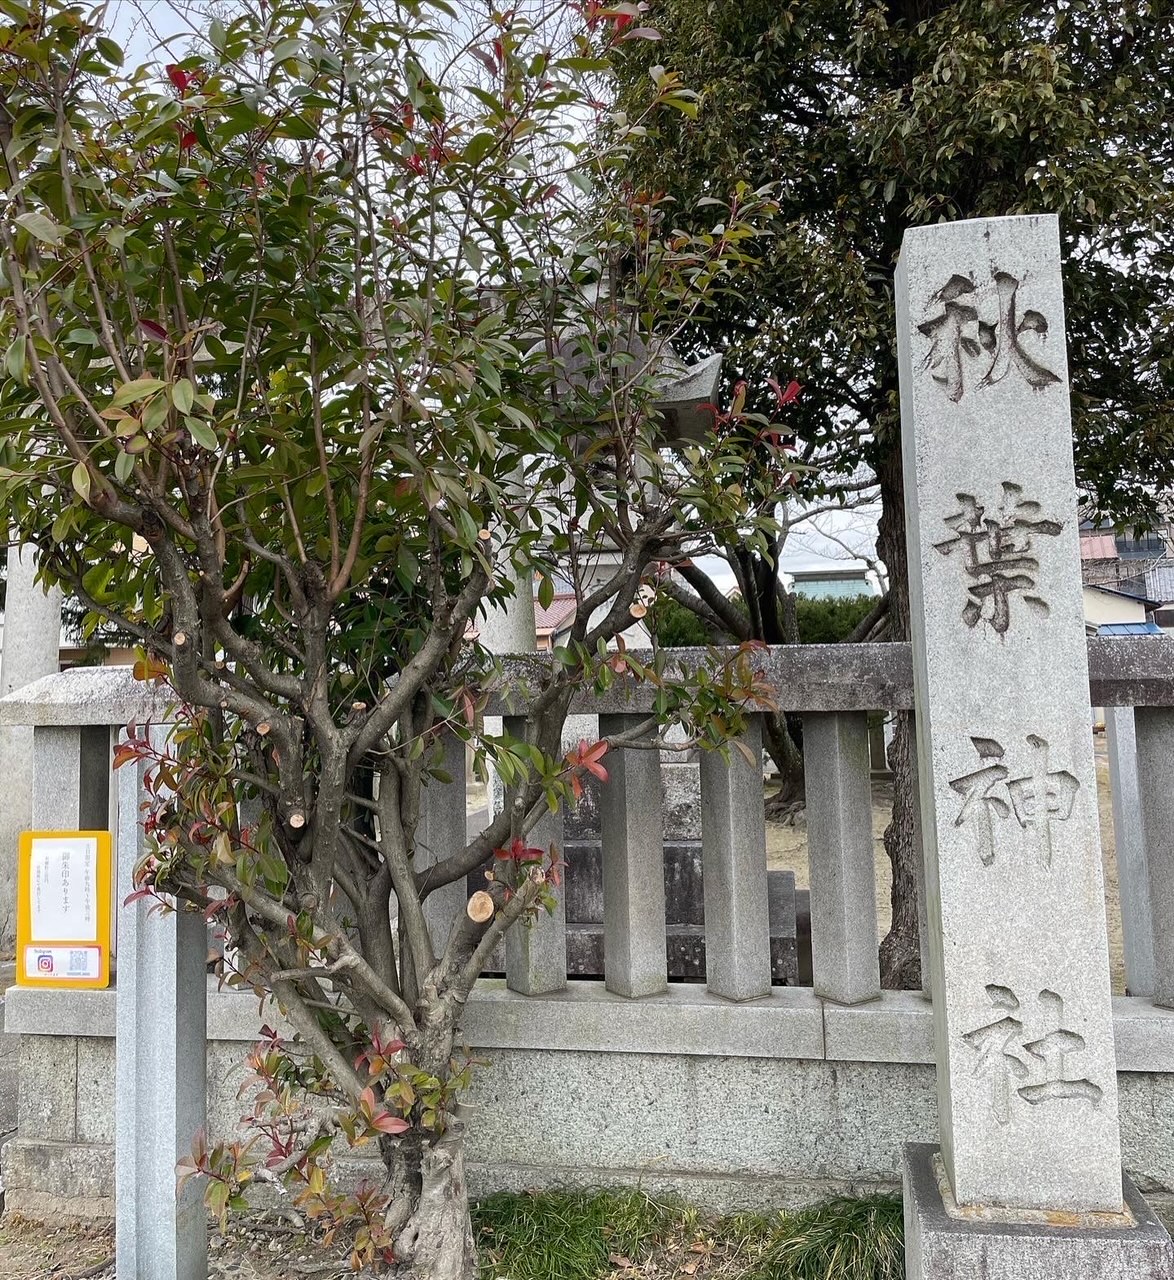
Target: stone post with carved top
[1027,1084]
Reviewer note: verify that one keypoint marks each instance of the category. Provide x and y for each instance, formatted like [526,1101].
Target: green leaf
[40,227]
[16,362]
[686,106]
[183,395]
[82,338]
[109,50]
[546,592]
[202,434]
[480,145]
[80,479]
[139,389]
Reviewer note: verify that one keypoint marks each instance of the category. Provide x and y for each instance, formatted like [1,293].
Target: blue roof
[1129,629]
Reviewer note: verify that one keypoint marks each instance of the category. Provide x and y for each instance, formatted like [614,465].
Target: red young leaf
[385,1122]
[784,397]
[518,852]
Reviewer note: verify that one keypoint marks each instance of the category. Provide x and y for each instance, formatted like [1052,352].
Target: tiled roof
[557,616]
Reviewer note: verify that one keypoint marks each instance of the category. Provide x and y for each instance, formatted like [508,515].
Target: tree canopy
[882,114]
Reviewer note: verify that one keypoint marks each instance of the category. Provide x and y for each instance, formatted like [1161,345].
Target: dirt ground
[786,850]
[260,1246]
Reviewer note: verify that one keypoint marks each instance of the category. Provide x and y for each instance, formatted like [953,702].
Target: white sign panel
[64,876]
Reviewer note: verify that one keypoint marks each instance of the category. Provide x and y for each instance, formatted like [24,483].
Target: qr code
[78,965]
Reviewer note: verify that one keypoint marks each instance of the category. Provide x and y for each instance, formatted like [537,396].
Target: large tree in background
[881,114]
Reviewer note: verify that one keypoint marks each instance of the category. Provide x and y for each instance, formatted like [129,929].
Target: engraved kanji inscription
[1023,1070]
[968,350]
[1035,798]
[997,550]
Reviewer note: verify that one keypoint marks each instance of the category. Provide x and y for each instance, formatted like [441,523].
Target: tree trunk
[788,759]
[437,1241]
[900,953]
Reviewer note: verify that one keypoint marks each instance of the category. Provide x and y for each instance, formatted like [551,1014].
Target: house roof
[829,575]
[1125,595]
[1129,629]
[552,618]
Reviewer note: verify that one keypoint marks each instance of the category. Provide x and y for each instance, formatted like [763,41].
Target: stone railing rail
[1135,671]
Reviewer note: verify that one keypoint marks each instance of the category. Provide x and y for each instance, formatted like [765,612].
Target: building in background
[1141,566]
[833,582]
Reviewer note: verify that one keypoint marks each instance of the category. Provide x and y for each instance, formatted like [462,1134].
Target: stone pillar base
[46,1180]
[939,1246]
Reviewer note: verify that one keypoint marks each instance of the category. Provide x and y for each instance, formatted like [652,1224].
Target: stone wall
[779,1102]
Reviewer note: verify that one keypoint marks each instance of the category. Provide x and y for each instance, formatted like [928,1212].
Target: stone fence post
[1027,1082]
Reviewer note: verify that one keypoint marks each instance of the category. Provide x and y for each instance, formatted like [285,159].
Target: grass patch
[572,1235]
[626,1235]
[840,1240]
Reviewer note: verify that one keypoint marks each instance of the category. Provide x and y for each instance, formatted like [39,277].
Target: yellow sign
[63,889]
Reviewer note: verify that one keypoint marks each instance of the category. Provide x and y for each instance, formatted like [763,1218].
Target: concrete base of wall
[778,1102]
[46,1180]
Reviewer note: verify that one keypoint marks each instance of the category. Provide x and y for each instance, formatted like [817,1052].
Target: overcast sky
[139,26]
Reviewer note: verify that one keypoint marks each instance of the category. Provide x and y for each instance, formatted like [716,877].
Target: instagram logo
[44,963]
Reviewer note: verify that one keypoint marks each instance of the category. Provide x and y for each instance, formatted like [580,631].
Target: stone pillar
[536,950]
[509,628]
[32,643]
[845,965]
[160,1070]
[1027,1083]
[1132,862]
[631,810]
[1155,750]
[32,624]
[734,879]
[506,629]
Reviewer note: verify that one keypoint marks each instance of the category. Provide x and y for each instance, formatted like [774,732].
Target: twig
[91,1271]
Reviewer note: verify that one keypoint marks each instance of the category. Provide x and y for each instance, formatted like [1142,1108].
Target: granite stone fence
[735,1092]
